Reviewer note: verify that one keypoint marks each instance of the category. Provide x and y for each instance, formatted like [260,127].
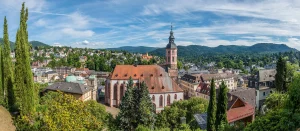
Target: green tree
[211,111]
[145,107]
[2,100]
[280,77]
[221,114]
[179,64]
[8,80]
[127,115]
[26,93]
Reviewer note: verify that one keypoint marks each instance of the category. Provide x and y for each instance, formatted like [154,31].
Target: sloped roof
[235,114]
[245,94]
[69,87]
[267,75]
[154,76]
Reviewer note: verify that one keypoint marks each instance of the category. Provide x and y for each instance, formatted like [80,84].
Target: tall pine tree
[221,115]
[146,115]
[211,111]
[26,92]
[280,77]
[8,82]
[127,114]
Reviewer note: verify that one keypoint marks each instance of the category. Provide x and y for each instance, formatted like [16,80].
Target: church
[161,80]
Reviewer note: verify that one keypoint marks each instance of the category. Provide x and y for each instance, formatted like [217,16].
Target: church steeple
[171,43]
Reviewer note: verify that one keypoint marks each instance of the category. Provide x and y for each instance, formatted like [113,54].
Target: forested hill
[33,43]
[134,49]
[196,50]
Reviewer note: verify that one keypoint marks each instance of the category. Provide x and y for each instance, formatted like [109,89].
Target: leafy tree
[170,116]
[179,64]
[221,114]
[280,77]
[275,101]
[211,111]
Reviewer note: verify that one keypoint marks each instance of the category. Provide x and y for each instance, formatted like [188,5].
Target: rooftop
[69,87]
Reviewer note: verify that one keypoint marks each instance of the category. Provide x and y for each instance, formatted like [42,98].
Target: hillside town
[54,88]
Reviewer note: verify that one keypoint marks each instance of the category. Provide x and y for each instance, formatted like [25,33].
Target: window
[264,93]
[172,51]
[153,98]
[169,59]
[173,59]
[122,91]
[115,91]
[271,91]
[168,52]
[160,101]
[175,96]
[169,100]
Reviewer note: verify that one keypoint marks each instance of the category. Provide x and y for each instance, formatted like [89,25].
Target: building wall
[110,94]
[189,87]
[230,82]
[262,95]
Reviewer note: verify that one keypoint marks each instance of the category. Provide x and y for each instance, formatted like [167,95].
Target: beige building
[190,82]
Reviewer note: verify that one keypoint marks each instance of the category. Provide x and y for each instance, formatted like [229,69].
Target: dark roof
[245,94]
[171,46]
[267,75]
[51,72]
[69,87]
[201,120]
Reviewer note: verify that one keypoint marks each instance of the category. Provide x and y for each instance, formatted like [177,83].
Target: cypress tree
[127,114]
[280,77]
[211,111]
[2,100]
[26,92]
[221,115]
[8,82]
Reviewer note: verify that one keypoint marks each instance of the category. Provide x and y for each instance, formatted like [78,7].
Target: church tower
[171,52]
[171,57]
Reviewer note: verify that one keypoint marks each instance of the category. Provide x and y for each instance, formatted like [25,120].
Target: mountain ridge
[33,43]
[200,49]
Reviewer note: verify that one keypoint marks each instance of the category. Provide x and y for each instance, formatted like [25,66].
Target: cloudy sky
[114,23]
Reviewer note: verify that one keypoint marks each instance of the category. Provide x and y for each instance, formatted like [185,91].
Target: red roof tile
[154,76]
[239,113]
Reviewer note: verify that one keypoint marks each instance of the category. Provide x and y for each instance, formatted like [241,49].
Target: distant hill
[134,49]
[33,43]
[196,50]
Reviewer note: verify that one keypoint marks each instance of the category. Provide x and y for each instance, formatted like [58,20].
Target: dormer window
[116,75]
[152,87]
[160,74]
[125,75]
[151,75]
[163,87]
[142,75]
[134,75]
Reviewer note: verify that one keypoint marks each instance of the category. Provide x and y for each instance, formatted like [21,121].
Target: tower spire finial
[171,26]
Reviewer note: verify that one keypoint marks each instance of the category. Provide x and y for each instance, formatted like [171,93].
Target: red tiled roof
[239,113]
[203,88]
[154,76]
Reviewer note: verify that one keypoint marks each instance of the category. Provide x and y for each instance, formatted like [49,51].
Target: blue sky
[115,23]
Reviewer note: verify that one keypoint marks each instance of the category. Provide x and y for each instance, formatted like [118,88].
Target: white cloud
[40,22]
[77,33]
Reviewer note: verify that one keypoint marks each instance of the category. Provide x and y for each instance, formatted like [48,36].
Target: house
[64,70]
[263,82]
[83,59]
[82,72]
[79,91]
[240,108]
[161,80]
[90,81]
[51,75]
[146,57]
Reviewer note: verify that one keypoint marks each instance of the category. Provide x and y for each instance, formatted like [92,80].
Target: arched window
[122,91]
[115,91]
[160,101]
[153,98]
[168,100]
[154,107]
[175,97]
